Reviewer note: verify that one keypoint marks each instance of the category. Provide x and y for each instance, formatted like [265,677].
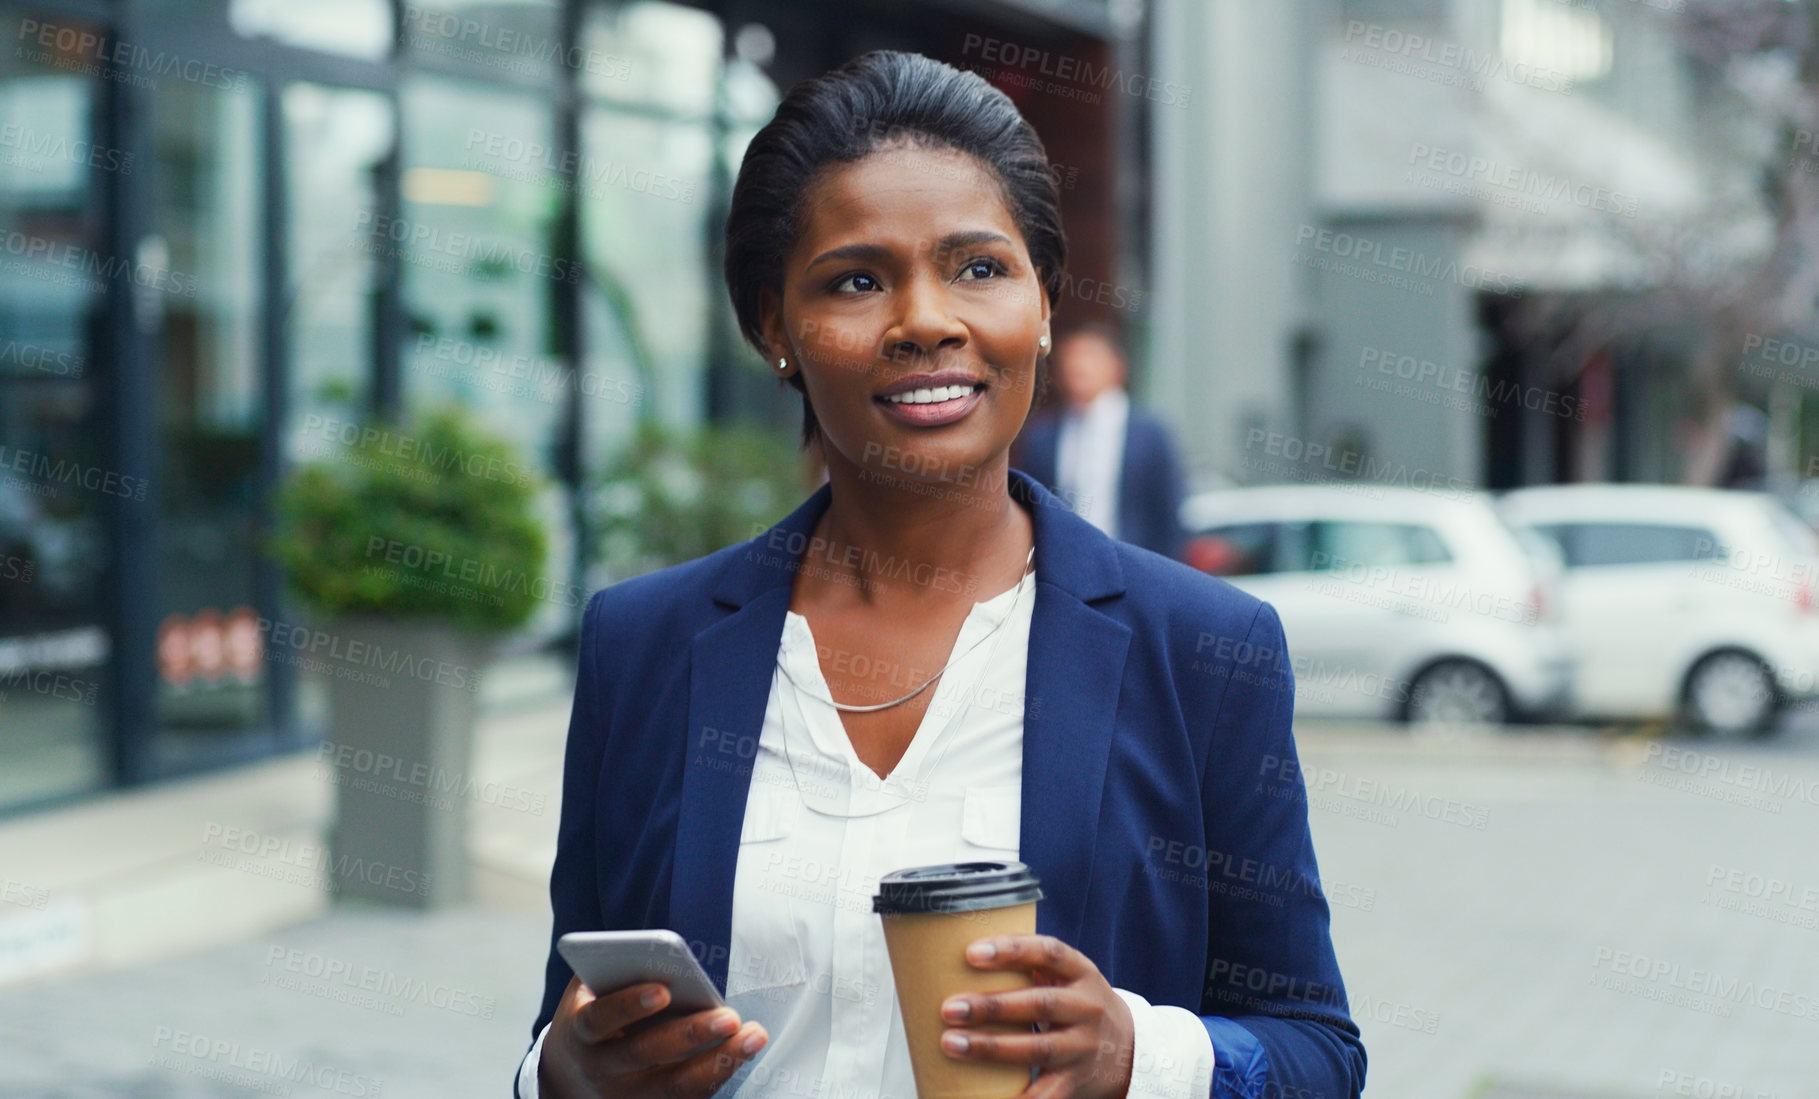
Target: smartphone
[607,961]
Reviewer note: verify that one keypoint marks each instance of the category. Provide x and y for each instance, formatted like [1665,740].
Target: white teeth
[931,396]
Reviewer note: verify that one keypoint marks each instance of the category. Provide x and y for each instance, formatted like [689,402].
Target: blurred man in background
[1113,462]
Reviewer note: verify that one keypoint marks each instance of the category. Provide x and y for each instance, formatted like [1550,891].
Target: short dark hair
[879,99]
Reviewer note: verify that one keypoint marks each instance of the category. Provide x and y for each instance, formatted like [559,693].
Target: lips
[918,387]
[931,394]
[931,400]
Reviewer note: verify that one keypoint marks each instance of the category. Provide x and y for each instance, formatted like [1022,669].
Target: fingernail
[753,1043]
[981,951]
[953,1043]
[652,997]
[955,1009]
[725,1025]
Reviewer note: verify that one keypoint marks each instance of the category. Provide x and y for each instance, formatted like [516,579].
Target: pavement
[1600,917]
[1533,914]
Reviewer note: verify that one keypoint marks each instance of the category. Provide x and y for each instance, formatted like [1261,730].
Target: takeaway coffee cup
[930,914]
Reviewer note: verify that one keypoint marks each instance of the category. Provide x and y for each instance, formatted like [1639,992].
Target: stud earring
[1043,343]
[782,364]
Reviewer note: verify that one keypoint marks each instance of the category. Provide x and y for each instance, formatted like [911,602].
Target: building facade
[233,232]
[1473,243]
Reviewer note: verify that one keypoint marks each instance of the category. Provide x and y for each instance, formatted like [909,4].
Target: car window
[1592,545]
[1793,530]
[1427,547]
[1542,550]
[1348,544]
[1239,549]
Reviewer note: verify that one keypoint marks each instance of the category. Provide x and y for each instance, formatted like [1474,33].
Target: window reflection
[661,55]
[478,257]
[55,484]
[480,266]
[335,140]
[205,235]
[649,286]
[359,28]
[515,38]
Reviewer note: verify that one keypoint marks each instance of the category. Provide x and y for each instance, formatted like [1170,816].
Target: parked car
[1397,603]
[1804,501]
[1682,602]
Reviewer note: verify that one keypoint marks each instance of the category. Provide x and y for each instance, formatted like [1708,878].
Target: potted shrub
[413,547]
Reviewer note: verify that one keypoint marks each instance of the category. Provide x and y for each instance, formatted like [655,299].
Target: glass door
[336,142]
[55,482]
[212,694]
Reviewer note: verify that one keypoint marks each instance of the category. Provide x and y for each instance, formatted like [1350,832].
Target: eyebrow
[875,253]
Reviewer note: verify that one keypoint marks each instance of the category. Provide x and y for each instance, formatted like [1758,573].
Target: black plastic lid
[956,887]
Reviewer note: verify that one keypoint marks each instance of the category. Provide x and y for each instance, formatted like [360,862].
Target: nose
[925,321]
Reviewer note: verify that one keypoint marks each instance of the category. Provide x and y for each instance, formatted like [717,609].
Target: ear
[1042,306]
[776,333]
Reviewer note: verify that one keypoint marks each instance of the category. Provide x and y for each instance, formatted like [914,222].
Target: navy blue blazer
[1163,807]
[1149,478]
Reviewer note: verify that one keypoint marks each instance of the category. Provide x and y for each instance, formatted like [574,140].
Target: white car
[1682,602]
[1397,603]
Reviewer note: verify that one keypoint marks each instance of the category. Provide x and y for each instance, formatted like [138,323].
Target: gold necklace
[789,758]
[1028,565]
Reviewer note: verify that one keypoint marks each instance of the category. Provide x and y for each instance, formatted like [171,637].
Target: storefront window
[335,141]
[648,213]
[653,54]
[204,250]
[515,39]
[480,264]
[645,225]
[478,259]
[55,481]
[360,28]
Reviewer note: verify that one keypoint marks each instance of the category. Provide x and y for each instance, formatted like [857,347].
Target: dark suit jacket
[1149,484]
[1163,809]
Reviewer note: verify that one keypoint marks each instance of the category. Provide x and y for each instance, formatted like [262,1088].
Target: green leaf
[432,519]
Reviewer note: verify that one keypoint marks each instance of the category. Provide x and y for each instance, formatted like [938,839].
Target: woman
[931,660]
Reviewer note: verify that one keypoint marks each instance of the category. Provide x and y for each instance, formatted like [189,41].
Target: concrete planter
[402,704]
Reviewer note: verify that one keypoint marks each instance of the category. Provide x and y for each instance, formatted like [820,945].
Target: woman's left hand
[1083,1051]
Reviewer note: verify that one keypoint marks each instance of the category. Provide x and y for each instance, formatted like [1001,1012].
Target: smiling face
[913,310]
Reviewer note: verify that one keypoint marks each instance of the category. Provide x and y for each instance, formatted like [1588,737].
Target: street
[1613,929]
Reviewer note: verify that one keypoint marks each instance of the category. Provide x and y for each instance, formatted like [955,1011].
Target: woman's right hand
[587,1055]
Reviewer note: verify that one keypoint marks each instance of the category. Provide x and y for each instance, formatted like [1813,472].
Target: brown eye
[854,284]
[981,269]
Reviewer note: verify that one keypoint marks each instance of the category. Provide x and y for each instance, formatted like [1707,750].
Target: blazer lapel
[1076,665]
[730,668]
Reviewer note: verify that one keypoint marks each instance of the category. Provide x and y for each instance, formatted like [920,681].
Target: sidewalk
[136,967]
[1483,962]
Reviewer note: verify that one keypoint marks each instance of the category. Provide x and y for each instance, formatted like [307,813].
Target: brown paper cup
[930,915]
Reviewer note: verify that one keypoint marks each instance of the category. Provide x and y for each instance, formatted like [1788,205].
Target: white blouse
[807,957]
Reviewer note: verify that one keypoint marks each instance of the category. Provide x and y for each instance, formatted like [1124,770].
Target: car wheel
[1732,694]
[1456,692]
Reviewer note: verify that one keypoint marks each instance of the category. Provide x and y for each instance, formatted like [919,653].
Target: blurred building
[1465,242]
[231,229]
